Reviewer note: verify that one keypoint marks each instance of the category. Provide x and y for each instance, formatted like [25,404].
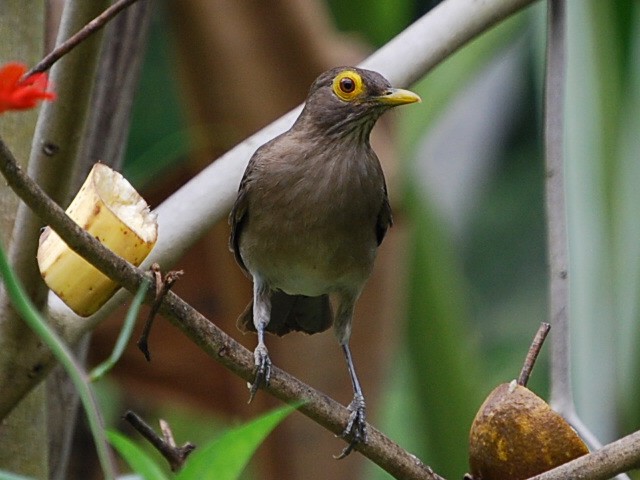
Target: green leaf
[226,457]
[442,356]
[125,334]
[377,21]
[139,461]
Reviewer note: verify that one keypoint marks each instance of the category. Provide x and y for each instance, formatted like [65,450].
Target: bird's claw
[262,369]
[356,426]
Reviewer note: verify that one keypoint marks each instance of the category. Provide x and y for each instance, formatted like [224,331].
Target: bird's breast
[312,230]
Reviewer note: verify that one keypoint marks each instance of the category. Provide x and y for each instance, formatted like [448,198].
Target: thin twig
[143,341]
[166,445]
[532,354]
[162,288]
[68,45]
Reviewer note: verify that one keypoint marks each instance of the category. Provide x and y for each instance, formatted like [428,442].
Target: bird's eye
[348,85]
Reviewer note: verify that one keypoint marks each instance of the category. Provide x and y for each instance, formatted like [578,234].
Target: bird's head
[347,100]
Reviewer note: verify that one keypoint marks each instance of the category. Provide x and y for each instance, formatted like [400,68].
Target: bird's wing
[385,218]
[238,213]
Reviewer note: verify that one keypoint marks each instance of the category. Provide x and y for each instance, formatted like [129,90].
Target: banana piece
[110,209]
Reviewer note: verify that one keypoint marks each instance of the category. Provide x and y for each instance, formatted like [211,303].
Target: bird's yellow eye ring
[348,85]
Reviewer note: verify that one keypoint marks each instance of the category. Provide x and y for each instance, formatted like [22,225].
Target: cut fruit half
[111,210]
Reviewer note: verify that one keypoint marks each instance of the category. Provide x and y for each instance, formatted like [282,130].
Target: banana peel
[111,210]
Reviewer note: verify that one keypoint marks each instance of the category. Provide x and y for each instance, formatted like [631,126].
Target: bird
[311,211]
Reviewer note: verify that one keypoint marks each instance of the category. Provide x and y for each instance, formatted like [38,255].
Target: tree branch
[617,457]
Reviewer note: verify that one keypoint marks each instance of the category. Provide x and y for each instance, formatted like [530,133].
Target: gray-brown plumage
[311,211]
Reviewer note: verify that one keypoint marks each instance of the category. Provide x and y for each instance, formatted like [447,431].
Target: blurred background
[460,285]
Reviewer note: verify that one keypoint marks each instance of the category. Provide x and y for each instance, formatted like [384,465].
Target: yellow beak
[398,96]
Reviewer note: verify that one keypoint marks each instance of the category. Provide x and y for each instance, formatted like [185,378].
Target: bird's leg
[261,317]
[357,425]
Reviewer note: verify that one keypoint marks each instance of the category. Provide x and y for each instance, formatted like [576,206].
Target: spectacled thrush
[311,211]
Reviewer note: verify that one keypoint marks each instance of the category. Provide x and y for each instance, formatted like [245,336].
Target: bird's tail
[292,313]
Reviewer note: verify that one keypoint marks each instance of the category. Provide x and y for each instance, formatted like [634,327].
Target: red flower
[16,94]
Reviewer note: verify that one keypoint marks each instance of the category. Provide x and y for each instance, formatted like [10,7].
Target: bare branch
[617,457]
[166,445]
[89,29]
[162,287]
[532,354]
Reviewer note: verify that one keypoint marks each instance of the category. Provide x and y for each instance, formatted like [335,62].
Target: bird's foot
[262,369]
[356,427]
